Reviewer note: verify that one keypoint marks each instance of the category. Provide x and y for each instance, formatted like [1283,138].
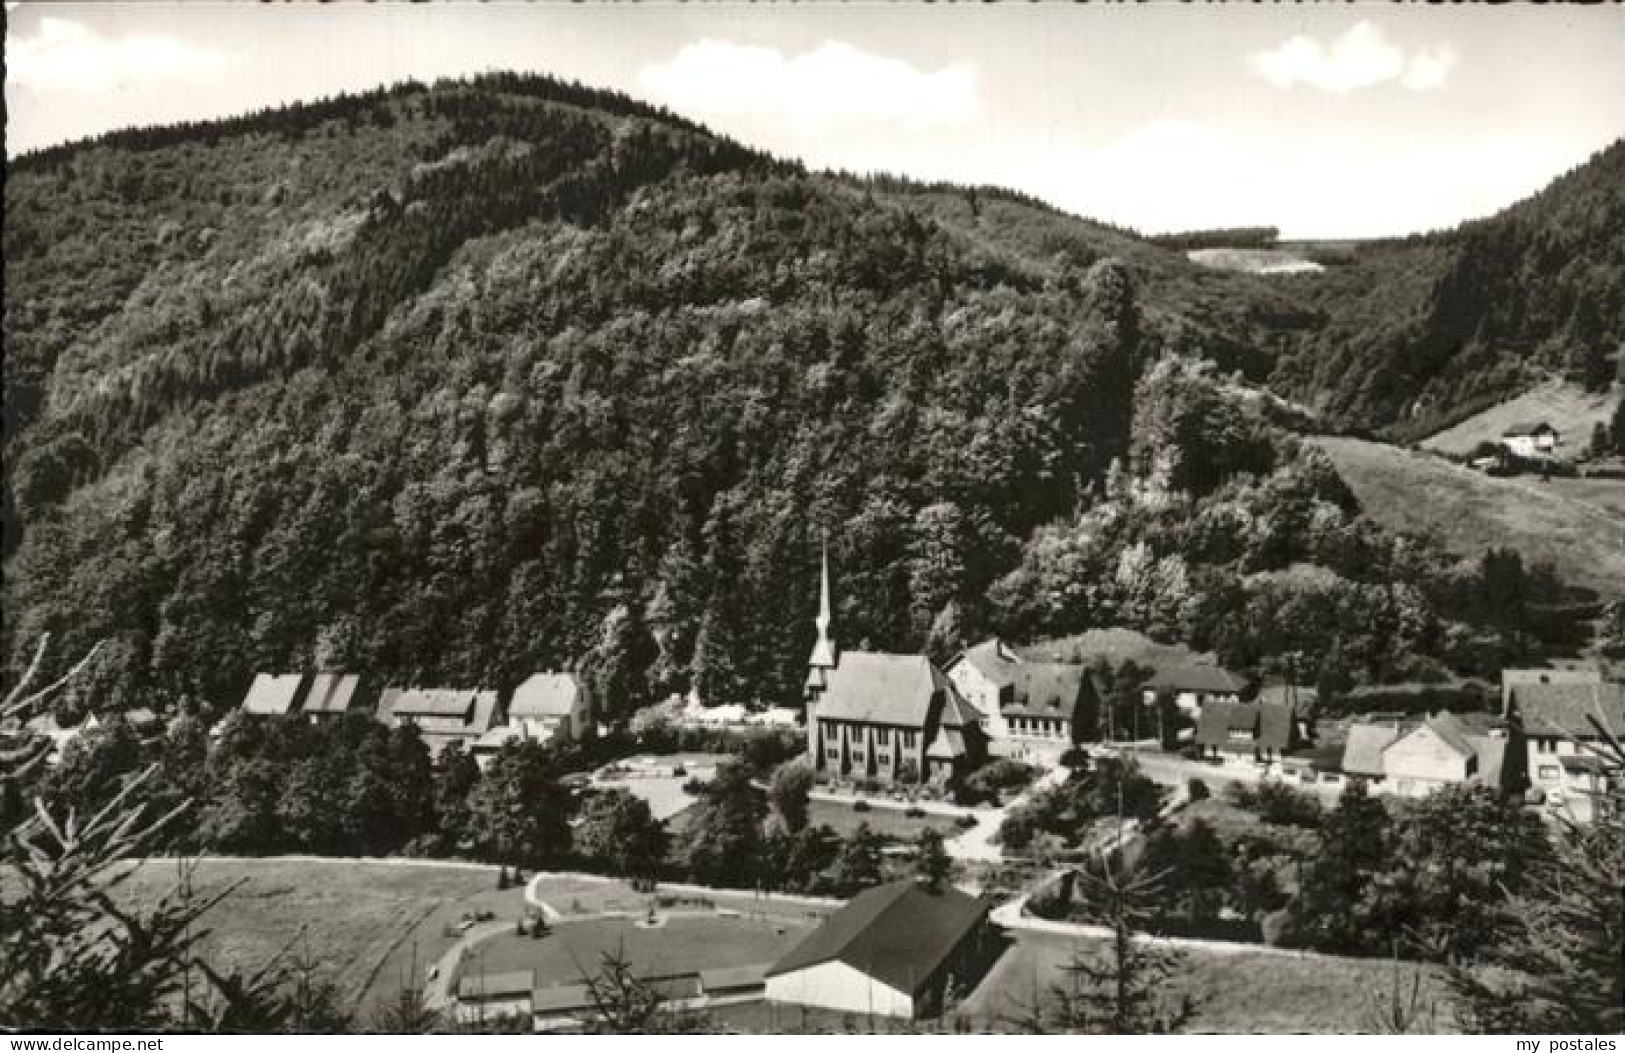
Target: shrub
[915,812]
[860,806]
[1198,790]
[1281,805]
[965,822]
[1074,757]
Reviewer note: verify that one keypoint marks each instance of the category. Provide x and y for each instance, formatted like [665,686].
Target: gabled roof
[546,695]
[1362,753]
[1046,689]
[273,695]
[893,689]
[1529,428]
[733,977]
[1451,732]
[1210,679]
[898,934]
[1219,719]
[993,660]
[331,693]
[447,703]
[1566,710]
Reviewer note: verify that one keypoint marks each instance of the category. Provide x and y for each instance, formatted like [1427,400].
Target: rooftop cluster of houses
[894,950]
[545,707]
[899,718]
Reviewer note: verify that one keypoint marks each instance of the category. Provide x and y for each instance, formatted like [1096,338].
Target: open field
[576,949]
[360,920]
[1567,407]
[887,822]
[1249,992]
[1579,526]
[1255,261]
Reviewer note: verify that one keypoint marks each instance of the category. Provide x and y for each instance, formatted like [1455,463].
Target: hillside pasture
[1578,526]
[363,922]
[1235,992]
[1570,409]
[1255,261]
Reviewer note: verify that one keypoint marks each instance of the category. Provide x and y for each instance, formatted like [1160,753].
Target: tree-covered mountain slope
[1423,332]
[451,384]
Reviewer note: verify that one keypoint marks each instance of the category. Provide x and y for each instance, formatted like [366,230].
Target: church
[889,718]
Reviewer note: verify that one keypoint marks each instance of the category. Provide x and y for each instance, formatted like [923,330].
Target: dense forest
[454,383]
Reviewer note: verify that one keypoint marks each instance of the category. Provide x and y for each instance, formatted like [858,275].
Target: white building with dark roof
[1031,710]
[891,951]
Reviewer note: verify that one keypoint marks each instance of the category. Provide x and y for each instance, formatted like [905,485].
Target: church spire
[824,654]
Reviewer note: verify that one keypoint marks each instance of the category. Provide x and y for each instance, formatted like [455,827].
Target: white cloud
[834,86]
[1361,58]
[1430,68]
[64,56]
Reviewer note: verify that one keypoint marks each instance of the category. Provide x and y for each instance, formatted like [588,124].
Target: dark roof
[733,978]
[1210,679]
[546,695]
[1046,689]
[1566,710]
[571,998]
[899,934]
[1270,725]
[273,695]
[496,985]
[331,693]
[894,689]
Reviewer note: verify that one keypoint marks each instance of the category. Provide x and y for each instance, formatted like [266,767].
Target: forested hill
[449,385]
[434,382]
[1423,332]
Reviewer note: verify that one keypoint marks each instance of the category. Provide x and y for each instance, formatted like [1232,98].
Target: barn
[891,951]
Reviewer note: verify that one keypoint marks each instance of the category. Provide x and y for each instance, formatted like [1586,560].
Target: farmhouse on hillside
[1413,758]
[1532,440]
[890,718]
[1257,731]
[891,951]
[317,697]
[442,715]
[1032,710]
[551,705]
[1556,724]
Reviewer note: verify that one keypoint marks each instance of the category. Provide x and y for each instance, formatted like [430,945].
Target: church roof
[893,689]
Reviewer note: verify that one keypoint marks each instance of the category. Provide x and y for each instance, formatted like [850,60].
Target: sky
[1329,120]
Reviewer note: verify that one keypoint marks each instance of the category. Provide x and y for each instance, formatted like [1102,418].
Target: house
[442,715]
[1533,439]
[1412,758]
[890,718]
[1555,720]
[319,697]
[491,996]
[551,704]
[891,951]
[1191,687]
[1030,709]
[1255,731]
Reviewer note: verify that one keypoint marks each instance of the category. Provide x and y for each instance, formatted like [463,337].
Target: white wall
[838,986]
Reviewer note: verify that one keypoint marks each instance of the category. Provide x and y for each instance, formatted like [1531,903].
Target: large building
[889,718]
[1560,723]
[1249,731]
[1031,710]
[316,697]
[891,951]
[551,706]
[442,715]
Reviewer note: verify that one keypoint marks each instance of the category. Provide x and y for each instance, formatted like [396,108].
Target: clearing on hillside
[1569,408]
[1578,527]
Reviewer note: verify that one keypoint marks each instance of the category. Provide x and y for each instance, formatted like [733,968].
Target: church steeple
[824,653]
